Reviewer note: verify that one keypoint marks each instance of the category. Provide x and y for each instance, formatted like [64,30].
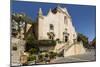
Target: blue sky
[83,17]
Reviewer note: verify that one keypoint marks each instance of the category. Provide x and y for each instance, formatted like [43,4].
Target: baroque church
[57,25]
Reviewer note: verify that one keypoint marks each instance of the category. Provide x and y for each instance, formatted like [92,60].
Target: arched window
[51,27]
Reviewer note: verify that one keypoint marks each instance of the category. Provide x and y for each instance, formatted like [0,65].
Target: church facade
[56,25]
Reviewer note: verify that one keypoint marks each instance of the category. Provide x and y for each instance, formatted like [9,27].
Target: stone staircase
[60,47]
[70,49]
[74,49]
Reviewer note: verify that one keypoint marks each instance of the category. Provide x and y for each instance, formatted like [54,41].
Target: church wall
[75,49]
[59,26]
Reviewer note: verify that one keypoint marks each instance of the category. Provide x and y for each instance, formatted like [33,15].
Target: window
[66,38]
[51,27]
[65,19]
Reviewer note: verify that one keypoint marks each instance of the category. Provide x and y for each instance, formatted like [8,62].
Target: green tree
[84,39]
[18,18]
[33,51]
[31,44]
[21,18]
[93,43]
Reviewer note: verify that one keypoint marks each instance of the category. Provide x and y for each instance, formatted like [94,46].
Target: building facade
[56,25]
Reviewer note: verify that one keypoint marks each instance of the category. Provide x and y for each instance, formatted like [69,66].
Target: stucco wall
[75,49]
[59,26]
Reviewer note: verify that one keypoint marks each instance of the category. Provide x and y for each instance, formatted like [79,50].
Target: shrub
[46,55]
[52,55]
[40,58]
[31,58]
[93,43]
[84,39]
[46,43]
[33,51]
